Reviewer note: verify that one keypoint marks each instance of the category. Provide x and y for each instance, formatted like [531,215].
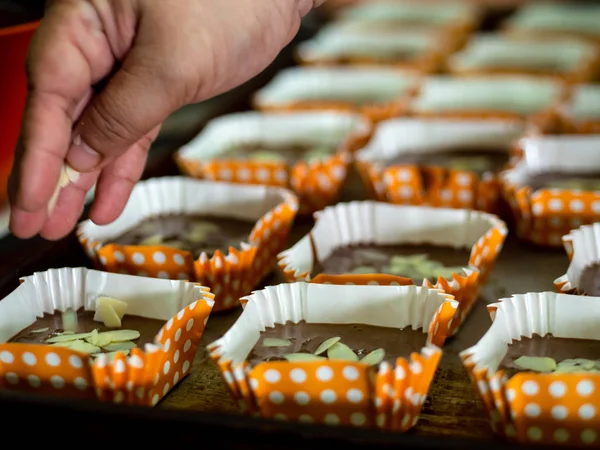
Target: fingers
[135,100]
[117,180]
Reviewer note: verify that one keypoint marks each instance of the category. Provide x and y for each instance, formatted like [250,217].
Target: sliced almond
[84,347]
[118,346]
[299,357]
[373,358]
[342,352]
[69,320]
[122,335]
[66,332]
[274,342]
[569,369]
[99,339]
[267,156]
[63,344]
[110,356]
[67,175]
[118,305]
[326,344]
[108,315]
[40,330]
[93,337]
[536,363]
[67,337]
[155,239]
[174,244]
[364,269]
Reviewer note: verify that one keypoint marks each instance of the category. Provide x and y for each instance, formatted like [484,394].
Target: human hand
[151,57]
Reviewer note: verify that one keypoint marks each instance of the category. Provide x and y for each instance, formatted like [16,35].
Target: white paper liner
[394,137]
[564,17]
[434,13]
[584,246]
[182,195]
[490,50]
[319,128]
[342,41]
[565,154]
[585,103]
[370,222]
[75,288]
[523,315]
[518,94]
[385,306]
[334,84]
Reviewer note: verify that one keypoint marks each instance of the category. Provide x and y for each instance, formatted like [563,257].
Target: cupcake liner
[544,216]
[388,398]
[317,183]
[338,44]
[567,59]
[143,377]
[583,248]
[382,223]
[550,408]
[317,88]
[581,115]
[231,274]
[489,97]
[405,183]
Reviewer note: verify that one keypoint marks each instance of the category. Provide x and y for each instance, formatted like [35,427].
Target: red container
[14,42]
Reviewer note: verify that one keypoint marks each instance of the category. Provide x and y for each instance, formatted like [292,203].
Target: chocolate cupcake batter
[479,161]
[285,153]
[412,261]
[362,339]
[589,281]
[559,349]
[51,325]
[195,234]
[557,180]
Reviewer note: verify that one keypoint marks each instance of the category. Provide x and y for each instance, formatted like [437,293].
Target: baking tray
[200,408]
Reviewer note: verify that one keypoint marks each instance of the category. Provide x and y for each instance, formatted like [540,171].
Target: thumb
[134,101]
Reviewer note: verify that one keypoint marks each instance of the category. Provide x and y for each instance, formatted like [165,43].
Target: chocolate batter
[589,282]
[479,161]
[51,325]
[425,261]
[289,153]
[556,180]
[363,339]
[195,234]
[559,349]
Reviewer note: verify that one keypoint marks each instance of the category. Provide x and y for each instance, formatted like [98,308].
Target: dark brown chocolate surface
[195,234]
[589,281]
[549,346]
[556,180]
[357,259]
[288,153]
[51,325]
[363,339]
[479,161]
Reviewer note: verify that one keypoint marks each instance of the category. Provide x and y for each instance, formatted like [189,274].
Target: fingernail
[82,157]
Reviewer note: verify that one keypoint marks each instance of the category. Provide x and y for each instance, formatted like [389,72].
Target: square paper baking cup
[329,391]
[348,45]
[321,88]
[581,114]
[143,377]
[542,217]
[405,183]
[531,407]
[230,273]
[571,60]
[378,223]
[317,184]
[583,248]
[490,97]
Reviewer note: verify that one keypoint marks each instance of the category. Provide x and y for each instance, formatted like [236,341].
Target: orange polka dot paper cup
[428,184]
[336,392]
[230,273]
[558,408]
[378,93]
[142,377]
[582,247]
[316,182]
[489,97]
[581,114]
[369,222]
[544,215]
